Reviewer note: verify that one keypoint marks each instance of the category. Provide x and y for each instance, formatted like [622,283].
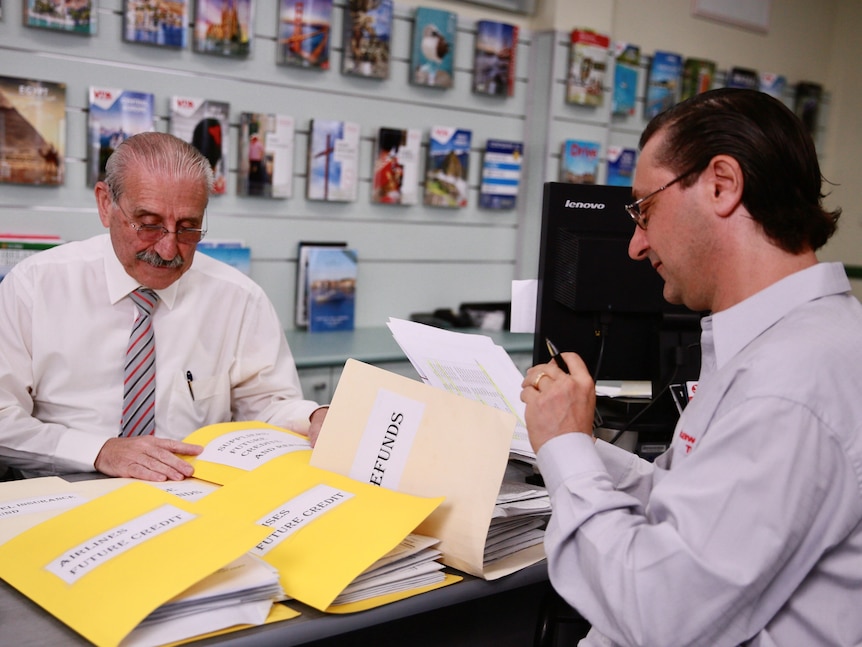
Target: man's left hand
[316,420]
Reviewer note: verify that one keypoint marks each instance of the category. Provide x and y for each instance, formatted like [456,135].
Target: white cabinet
[317,384]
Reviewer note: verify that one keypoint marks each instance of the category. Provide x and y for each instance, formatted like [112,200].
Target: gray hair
[159,153]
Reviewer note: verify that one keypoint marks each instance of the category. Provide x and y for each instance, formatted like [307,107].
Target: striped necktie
[139,379]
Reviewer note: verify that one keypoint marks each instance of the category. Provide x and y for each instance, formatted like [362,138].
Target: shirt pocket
[198,402]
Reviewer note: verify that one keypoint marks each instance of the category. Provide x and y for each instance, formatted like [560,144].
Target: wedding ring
[539,379]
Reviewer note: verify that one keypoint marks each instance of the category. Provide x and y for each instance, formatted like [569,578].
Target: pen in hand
[555,354]
[189,380]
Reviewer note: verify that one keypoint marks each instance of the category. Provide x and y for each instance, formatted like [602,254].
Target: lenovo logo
[571,204]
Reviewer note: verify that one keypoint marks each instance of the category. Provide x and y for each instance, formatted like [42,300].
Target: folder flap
[396,432]
[29,502]
[139,541]
[323,529]
[233,448]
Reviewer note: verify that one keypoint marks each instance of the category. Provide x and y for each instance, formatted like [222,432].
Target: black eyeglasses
[154,233]
[634,209]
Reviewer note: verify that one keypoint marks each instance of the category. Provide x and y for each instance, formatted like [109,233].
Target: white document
[524,297]
[469,365]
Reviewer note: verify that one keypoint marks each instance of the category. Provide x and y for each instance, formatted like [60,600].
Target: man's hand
[558,403]
[316,420]
[146,457]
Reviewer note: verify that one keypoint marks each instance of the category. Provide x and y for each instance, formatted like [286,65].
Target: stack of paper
[469,365]
[518,521]
[240,593]
[411,564]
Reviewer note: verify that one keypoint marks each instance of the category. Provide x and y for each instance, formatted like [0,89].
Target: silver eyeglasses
[154,233]
[634,209]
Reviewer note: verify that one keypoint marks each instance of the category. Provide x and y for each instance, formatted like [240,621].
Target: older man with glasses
[113,349]
[748,530]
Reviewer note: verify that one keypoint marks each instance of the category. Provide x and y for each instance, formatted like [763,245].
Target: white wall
[411,259]
[844,139]
[415,259]
[806,41]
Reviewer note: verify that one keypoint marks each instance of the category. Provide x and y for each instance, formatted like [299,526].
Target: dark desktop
[593,299]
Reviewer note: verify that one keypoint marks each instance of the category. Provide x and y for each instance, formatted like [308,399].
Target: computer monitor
[595,300]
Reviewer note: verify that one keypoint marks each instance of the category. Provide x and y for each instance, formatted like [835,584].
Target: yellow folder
[322,529]
[124,554]
[233,448]
[387,429]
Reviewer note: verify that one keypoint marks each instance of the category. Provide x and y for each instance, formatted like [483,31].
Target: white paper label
[96,551]
[250,448]
[295,514]
[387,440]
[39,504]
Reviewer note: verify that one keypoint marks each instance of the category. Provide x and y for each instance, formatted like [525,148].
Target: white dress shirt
[749,529]
[65,319]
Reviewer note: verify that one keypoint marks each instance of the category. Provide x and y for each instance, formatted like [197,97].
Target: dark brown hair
[781,173]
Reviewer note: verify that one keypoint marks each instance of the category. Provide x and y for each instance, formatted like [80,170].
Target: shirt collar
[736,327]
[120,284]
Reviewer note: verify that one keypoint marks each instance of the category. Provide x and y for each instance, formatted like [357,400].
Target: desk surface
[25,624]
[375,345]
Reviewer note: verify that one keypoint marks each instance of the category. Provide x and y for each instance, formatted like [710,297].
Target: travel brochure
[114,116]
[223,28]
[14,248]
[333,161]
[447,167]
[304,33]
[579,161]
[265,155]
[233,252]
[367,36]
[326,277]
[432,60]
[156,22]
[331,277]
[396,166]
[495,58]
[626,72]
[74,17]
[32,131]
[698,75]
[588,54]
[621,165]
[204,124]
[501,174]
[663,83]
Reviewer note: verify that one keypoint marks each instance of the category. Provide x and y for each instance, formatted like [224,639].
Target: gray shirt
[748,528]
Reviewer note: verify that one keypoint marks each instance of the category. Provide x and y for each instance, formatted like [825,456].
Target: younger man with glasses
[749,529]
[66,318]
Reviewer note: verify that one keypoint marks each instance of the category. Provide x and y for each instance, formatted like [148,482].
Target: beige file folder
[396,432]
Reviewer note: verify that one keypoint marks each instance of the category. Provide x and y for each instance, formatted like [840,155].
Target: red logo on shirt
[689,441]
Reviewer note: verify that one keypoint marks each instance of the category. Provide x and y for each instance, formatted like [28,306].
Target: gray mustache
[152,257]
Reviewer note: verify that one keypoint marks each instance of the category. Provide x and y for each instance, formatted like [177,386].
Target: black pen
[189,380]
[555,354]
